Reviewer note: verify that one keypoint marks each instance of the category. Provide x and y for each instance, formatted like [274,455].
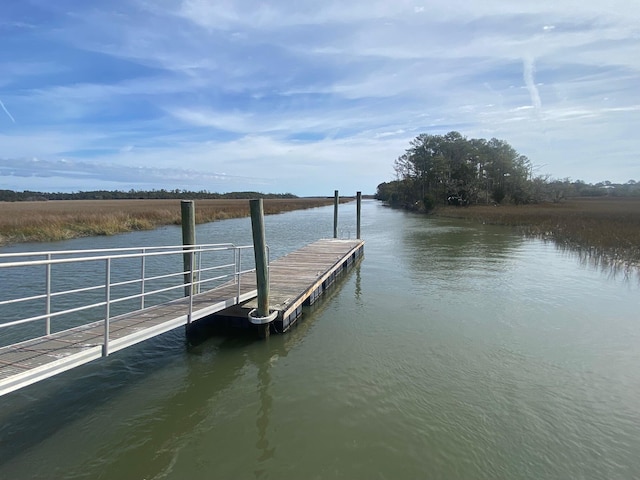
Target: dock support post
[262,273]
[358,211]
[336,202]
[188,213]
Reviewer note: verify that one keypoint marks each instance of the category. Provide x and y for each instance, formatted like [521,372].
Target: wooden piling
[260,253]
[188,214]
[358,212]
[336,202]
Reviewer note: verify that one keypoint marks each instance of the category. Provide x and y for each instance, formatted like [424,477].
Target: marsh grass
[66,219]
[604,230]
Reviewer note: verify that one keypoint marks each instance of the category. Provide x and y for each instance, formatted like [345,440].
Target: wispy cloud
[529,69]
[97,173]
[7,112]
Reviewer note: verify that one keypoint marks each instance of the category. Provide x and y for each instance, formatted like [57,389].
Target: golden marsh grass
[65,219]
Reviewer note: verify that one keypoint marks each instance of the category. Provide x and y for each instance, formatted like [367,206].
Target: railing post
[187,210]
[198,269]
[191,293]
[48,301]
[142,276]
[336,202]
[358,212]
[107,296]
[238,267]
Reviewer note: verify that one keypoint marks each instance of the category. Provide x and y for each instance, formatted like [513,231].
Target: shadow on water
[28,420]
[159,431]
[165,415]
[32,414]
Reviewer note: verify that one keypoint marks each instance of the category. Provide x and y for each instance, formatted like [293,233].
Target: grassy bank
[604,229]
[65,219]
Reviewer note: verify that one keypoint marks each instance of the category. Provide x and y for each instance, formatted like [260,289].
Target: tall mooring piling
[188,214]
[260,316]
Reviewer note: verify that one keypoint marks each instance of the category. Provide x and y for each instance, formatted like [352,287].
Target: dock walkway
[296,278]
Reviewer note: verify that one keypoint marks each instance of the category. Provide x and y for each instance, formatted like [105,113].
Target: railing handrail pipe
[55,261]
[116,249]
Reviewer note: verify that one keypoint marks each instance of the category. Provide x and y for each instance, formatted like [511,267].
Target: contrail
[527,74]
[7,112]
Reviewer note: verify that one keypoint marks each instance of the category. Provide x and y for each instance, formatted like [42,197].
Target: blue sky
[307,96]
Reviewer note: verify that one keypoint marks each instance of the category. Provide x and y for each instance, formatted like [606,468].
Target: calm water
[451,352]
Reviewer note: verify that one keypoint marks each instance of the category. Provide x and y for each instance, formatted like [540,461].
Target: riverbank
[606,229]
[66,219]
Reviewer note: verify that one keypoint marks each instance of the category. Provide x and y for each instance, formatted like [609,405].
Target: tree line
[177,194]
[453,169]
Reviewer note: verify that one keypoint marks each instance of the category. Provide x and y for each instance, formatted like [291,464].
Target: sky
[308,96]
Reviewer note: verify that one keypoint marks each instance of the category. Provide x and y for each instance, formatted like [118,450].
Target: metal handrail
[117,249]
[199,274]
[185,249]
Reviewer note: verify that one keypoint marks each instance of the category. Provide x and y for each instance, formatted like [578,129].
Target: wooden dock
[295,279]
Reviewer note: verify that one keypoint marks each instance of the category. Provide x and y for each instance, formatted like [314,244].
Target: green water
[452,351]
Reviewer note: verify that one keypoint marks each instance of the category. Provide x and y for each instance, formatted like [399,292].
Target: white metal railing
[32,282]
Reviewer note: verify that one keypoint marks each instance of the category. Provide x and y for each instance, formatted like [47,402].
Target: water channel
[452,351]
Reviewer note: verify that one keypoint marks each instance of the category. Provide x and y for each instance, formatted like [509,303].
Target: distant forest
[452,169]
[26,196]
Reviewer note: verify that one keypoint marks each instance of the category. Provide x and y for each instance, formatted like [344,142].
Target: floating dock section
[298,279]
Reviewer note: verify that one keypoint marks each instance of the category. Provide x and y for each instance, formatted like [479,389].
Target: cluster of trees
[440,169]
[177,194]
[565,188]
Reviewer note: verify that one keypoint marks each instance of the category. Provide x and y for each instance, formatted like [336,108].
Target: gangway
[49,301]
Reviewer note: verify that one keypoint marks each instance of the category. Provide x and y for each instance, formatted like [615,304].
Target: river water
[452,351]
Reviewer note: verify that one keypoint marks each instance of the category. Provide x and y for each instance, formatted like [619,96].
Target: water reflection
[455,248]
[264,412]
[278,347]
[358,290]
[450,251]
[602,260]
